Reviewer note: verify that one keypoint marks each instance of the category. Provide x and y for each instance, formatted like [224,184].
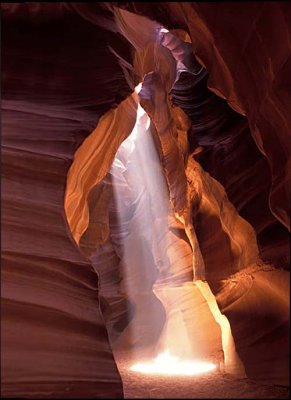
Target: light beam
[167,364]
[142,242]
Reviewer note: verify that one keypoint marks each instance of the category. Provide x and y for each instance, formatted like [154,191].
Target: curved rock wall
[54,88]
[228,152]
[93,160]
[59,77]
[251,72]
[169,125]
[249,69]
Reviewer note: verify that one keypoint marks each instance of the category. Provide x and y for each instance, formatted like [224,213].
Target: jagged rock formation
[212,213]
[65,70]
[250,71]
[228,152]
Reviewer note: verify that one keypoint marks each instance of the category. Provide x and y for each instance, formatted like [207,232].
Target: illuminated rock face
[213,215]
[58,79]
[250,71]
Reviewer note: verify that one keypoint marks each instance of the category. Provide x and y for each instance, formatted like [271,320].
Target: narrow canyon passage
[145,200]
[156,262]
[175,321]
[158,289]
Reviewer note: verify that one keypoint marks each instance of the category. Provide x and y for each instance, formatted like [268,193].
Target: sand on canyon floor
[211,385]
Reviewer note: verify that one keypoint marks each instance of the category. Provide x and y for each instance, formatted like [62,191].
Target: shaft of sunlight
[142,211]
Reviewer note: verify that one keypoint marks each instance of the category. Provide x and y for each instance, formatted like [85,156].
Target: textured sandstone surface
[173,152]
[248,64]
[250,81]
[54,341]
[68,261]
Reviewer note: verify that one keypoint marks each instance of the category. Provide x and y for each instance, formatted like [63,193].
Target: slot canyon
[146,158]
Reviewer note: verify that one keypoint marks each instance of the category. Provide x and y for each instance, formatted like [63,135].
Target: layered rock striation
[54,89]
[69,73]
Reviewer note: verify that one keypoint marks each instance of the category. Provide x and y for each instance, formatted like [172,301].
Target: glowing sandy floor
[213,384]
